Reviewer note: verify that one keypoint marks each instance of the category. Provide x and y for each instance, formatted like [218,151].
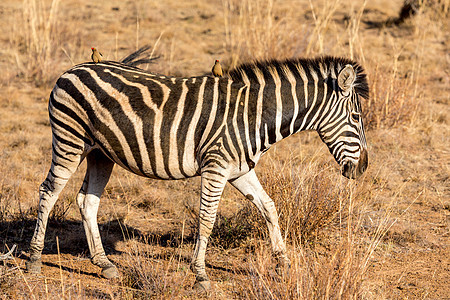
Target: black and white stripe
[171,128]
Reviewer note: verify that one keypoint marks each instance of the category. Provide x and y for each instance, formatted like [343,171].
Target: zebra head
[343,132]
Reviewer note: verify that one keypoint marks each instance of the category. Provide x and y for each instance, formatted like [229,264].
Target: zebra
[164,127]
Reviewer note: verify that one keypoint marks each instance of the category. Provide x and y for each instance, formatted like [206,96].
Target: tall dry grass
[309,202]
[46,39]
[330,242]
[12,194]
[324,219]
[261,30]
[37,37]
[393,101]
[328,245]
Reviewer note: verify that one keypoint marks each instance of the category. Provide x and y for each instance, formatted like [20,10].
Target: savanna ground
[383,236]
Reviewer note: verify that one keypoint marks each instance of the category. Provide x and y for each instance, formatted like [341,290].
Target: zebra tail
[139,57]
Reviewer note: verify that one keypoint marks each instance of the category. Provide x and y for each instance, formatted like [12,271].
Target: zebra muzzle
[352,170]
[349,169]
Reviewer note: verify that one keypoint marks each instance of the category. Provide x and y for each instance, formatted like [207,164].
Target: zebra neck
[289,108]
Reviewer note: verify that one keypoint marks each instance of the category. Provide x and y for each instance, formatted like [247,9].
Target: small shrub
[233,231]
[309,202]
[333,274]
[308,199]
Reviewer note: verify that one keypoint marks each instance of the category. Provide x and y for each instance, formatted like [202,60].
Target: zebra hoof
[202,286]
[34,267]
[110,272]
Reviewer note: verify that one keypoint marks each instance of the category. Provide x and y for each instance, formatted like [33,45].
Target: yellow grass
[382,236]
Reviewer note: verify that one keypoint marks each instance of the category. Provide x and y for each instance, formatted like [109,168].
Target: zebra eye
[355,116]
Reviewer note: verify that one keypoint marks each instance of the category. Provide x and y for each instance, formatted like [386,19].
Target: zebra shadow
[68,237]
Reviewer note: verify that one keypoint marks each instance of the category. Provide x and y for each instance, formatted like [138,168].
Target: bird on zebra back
[114,113]
[96,56]
[217,69]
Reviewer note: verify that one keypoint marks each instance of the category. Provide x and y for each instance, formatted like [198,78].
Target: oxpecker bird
[217,69]
[96,56]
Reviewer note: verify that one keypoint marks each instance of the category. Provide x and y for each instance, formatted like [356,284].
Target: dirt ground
[409,174]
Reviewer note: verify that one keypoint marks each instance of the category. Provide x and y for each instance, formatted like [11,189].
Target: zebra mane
[325,67]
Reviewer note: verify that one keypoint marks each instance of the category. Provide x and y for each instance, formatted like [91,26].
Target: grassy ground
[384,236]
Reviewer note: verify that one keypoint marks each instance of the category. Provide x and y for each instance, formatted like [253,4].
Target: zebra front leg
[213,180]
[249,185]
[99,169]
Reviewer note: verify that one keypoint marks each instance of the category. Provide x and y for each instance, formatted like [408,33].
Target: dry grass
[345,239]
[392,100]
[323,220]
[328,248]
[37,40]
[309,203]
[252,31]
[153,275]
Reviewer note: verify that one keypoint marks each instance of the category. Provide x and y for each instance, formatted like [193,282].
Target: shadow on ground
[72,239]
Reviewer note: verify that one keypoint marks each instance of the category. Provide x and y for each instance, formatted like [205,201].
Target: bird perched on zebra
[96,56]
[165,127]
[217,69]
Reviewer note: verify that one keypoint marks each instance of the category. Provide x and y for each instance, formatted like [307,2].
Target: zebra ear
[346,78]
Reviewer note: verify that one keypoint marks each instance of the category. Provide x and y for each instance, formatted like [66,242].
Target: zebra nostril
[348,170]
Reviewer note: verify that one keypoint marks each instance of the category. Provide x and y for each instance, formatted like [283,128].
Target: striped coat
[171,128]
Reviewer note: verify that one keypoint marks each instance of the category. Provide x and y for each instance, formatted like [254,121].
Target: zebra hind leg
[61,170]
[98,172]
[249,185]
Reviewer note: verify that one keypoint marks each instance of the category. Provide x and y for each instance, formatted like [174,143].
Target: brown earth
[145,223]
